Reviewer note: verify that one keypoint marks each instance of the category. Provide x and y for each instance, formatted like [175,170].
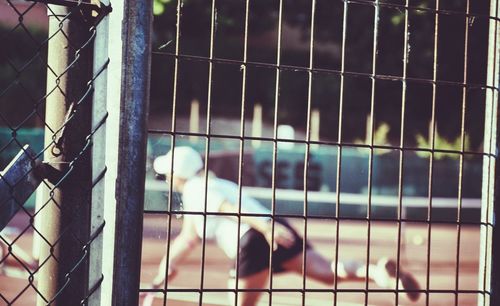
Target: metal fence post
[489,232]
[64,217]
[112,96]
[492,266]
[99,169]
[494,270]
[129,192]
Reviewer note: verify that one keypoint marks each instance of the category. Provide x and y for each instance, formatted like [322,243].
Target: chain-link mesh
[46,130]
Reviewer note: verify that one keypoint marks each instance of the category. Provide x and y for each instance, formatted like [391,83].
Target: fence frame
[126,167]
[489,233]
[489,266]
[100,119]
[127,38]
[68,200]
[124,39]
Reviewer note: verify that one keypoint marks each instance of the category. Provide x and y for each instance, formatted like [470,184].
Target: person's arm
[179,249]
[282,235]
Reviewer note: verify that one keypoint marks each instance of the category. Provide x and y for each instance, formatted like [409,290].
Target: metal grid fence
[66,229]
[47,81]
[465,84]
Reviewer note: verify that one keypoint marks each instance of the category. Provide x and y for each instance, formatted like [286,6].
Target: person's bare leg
[322,269]
[383,273]
[254,281]
[317,267]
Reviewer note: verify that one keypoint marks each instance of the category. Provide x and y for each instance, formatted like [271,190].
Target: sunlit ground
[353,238]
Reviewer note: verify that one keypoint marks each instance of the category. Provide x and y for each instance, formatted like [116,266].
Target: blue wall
[322,167]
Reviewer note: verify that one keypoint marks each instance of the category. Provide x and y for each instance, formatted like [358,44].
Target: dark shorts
[254,252]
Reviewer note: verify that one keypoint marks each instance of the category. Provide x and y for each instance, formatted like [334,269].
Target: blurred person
[255,236]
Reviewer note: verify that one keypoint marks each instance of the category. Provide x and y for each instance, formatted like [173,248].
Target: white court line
[221,298]
[345,198]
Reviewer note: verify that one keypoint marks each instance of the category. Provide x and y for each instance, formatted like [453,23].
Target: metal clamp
[100,8]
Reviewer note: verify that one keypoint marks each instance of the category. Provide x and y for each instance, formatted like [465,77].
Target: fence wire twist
[56,165]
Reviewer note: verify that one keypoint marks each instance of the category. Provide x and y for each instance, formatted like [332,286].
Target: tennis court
[370,125]
[352,245]
[287,288]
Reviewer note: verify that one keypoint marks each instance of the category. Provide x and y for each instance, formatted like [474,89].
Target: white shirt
[224,229]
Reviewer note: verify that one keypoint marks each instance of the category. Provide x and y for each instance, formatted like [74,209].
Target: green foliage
[380,135]
[442,143]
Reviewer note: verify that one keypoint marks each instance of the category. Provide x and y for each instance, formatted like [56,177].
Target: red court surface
[352,244]
[353,237]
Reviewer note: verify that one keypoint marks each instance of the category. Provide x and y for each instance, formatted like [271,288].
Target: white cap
[187,162]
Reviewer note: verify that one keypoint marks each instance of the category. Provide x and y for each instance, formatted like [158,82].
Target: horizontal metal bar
[330,143]
[17,182]
[326,71]
[347,198]
[73,3]
[101,9]
[420,9]
[320,217]
[312,290]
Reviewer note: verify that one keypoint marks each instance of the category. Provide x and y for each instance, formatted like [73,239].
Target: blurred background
[22,83]
[426,92]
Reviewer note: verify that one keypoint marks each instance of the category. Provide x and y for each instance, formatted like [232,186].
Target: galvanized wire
[340,144]
[88,16]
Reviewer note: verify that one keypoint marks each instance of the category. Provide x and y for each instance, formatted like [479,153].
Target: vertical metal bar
[173,138]
[275,146]
[486,263]
[242,143]
[47,211]
[462,157]
[372,128]
[99,113]
[213,25]
[432,141]
[113,100]
[492,266]
[339,153]
[308,148]
[66,214]
[401,210]
[134,103]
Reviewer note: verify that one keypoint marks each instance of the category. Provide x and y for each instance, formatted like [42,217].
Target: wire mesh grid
[362,34]
[463,84]
[46,83]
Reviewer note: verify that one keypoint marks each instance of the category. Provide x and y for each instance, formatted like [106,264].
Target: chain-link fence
[47,80]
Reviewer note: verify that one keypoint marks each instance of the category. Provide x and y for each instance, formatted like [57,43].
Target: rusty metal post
[131,170]
[64,217]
